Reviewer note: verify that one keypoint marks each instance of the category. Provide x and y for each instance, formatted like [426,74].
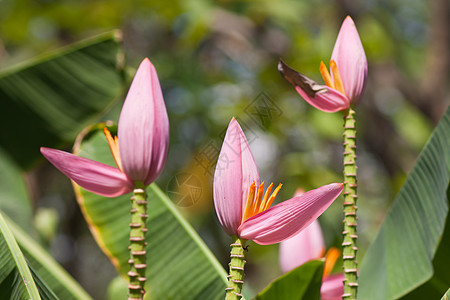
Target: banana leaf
[56,278]
[14,197]
[402,256]
[47,101]
[17,281]
[301,283]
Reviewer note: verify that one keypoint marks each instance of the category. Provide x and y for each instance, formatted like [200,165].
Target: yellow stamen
[266,196]
[326,75]
[258,204]
[249,206]
[330,260]
[258,199]
[272,197]
[339,85]
[113,144]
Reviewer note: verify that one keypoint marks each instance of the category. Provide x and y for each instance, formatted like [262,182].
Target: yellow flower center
[330,260]
[113,144]
[258,204]
[337,84]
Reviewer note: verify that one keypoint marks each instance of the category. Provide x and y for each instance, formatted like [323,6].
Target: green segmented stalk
[236,275]
[349,248]
[138,253]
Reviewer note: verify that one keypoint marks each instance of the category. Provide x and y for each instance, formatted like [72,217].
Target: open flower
[345,85]
[241,205]
[139,150]
[309,245]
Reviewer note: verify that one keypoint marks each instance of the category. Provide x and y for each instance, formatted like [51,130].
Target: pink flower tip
[345,83]
[351,61]
[140,148]
[143,129]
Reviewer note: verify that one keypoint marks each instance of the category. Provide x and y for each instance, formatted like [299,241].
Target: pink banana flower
[309,245]
[243,209]
[348,66]
[139,150]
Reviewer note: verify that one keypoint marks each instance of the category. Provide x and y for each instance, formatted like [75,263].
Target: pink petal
[329,101]
[320,96]
[289,217]
[144,127]
[93,176]
[303,247]
[348,53]
[235,171]
[332,287]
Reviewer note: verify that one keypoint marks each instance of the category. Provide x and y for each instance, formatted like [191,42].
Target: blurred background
[218,59]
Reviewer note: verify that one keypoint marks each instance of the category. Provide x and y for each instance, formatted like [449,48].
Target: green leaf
[44,290]
[301,283]
[16,280]
[401,256]
[180,266]
[49,100]
[57,279]
[446,295]
[437,284]
[15,201]
[118,289]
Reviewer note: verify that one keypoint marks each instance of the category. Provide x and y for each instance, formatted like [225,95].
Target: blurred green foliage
[216,60]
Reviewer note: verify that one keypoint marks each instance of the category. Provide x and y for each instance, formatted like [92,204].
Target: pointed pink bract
[289,217]
[350,58]
[302,247]
[89,174]
[235,171]
[143,129]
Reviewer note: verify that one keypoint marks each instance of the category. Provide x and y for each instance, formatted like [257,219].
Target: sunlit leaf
[49,100]
[440,281]
[14,196]
[57,279]
[402,255]
[446,295]
[301,283]
[118,289]
[17,281]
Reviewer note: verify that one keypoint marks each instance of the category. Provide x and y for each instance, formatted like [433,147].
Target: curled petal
[350,58]
[144,127]
[89,174]
[289,217]
[320,96]
[332,287]
[235,171]
[303,247]
[329,101]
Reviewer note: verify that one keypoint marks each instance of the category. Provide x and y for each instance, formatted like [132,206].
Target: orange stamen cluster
[258,204]
[330,260]
[337,83]
[113,144]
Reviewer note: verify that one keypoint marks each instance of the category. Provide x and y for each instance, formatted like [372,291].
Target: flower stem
[349,247]
[138,253]
[236,275]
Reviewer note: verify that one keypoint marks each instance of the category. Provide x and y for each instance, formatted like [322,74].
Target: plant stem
[349,247]
[138,253]
[236,275]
